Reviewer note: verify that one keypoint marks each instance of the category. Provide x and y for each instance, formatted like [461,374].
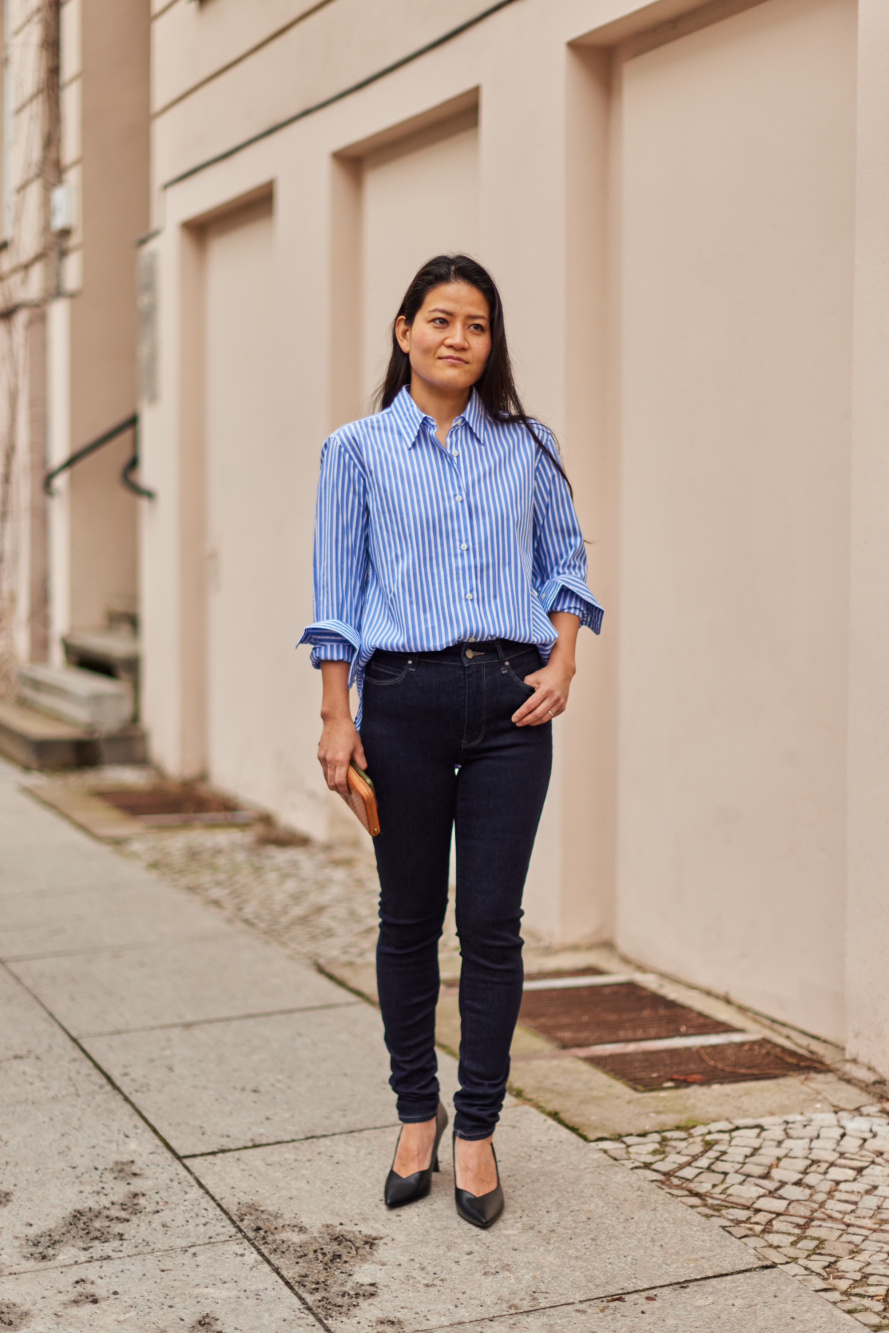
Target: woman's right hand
[340,744]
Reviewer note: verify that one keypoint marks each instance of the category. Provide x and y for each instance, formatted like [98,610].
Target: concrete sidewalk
[195,1129]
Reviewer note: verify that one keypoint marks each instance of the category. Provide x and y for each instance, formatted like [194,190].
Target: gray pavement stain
[206,1323]
[125,1172]
[321,1264]
[85,1293]
[84,1227]
[12,1315]
[5,1198]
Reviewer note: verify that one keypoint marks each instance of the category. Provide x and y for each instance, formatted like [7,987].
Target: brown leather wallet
[362,800]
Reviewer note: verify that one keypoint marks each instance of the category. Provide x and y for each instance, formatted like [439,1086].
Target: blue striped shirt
[418,547]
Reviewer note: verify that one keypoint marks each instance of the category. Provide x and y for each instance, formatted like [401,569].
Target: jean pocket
[378,674]
[525,663]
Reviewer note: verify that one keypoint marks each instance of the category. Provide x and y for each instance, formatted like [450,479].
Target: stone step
[116,651]
[82,698]
[36,740]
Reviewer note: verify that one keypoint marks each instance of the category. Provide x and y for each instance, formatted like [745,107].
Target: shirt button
[464,547]
[456,453]
[469,597]
[459,499]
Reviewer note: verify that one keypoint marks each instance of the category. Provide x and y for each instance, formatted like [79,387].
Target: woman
[450,586]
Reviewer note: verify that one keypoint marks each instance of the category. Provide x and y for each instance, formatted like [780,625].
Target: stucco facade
[75,200]
[686,208]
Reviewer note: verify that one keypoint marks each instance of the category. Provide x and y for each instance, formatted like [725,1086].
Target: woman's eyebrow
[440,310]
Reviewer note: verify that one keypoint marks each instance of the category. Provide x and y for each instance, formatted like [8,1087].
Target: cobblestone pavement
[809,1193]
[317,902]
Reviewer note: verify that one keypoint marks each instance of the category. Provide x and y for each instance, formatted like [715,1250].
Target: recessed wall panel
[248,586]
[418,201]
[736,237]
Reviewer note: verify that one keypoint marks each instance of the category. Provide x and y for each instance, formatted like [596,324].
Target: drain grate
[646,1039]
[175,803]
[592,1015]
[742,1062]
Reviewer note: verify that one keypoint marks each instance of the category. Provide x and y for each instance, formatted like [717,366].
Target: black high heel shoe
[482,1210]
[400,1190]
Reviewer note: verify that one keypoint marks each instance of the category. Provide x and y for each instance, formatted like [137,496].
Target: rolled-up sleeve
[560,563]
[340,562]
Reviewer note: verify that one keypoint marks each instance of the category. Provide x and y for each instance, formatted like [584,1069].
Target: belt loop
[501,653]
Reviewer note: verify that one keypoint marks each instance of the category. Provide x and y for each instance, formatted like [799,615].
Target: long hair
[496,387]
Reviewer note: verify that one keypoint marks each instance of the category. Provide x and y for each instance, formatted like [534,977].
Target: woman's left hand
[550,698]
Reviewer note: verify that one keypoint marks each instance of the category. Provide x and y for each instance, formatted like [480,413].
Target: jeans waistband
[493,650]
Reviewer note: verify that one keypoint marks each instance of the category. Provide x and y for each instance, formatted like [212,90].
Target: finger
[340,779]
[544,710]
[539,717]
[359,756]
[527,707]
[539,707]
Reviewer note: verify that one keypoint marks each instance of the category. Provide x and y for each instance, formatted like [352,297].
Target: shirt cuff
[332,641]
[569,593]
[566,600]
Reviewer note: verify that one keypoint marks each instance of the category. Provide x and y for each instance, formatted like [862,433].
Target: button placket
[454,457]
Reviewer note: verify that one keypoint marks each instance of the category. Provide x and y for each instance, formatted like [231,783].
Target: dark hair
[496,387]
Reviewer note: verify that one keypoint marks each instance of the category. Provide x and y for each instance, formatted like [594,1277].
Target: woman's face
[449,341]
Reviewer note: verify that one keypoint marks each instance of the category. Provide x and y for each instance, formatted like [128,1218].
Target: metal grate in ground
[646,1039]
[592,1015]
[169,804]
[742,1062]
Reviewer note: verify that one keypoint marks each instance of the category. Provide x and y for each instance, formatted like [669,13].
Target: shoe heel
[400,1190]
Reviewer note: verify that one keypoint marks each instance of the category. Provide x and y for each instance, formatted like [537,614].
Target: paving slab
[51,1074]
[25,1028]
[35,925]
[232,974]
[766,1301]
[33,865]
[258,1080]
[220,1288]
[84,1178]
[570,1230]
[40,851]
[20,812]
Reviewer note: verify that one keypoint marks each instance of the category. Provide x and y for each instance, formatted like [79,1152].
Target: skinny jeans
[445,758]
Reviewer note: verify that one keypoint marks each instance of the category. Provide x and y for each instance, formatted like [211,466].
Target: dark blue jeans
[444,756]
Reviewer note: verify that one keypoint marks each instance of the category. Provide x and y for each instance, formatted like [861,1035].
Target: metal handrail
[126,476]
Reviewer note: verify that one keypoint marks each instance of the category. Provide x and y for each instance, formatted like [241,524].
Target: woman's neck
[442,406]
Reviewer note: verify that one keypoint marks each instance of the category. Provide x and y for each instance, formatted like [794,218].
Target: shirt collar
[410,419]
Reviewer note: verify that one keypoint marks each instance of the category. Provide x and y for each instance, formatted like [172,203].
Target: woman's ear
[403,334]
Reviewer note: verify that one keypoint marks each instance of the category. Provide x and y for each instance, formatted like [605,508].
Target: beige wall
[425,194]
[867,922]
[25,158]
[736,263]
[250,666]
[112,182]
[668,201]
